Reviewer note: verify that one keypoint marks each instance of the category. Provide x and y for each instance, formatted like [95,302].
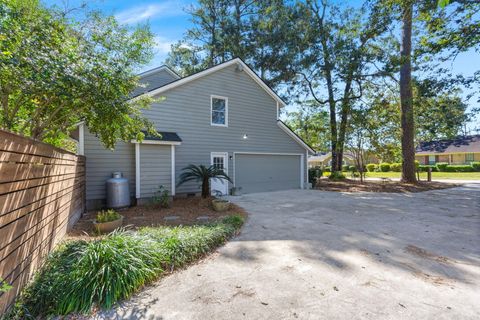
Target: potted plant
[220,204]
[107,221]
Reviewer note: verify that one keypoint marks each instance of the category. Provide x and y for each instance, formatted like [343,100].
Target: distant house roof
[459,144]
[164,136]
[324,156]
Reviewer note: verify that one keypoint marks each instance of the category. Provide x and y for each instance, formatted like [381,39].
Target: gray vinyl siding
[153,81]
[251,111]
[101,162]
[155,168]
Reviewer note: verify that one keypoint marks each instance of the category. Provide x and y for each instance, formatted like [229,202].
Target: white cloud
[162,45]
[145,12]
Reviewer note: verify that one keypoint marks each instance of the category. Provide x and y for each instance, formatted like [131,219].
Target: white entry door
[220,161]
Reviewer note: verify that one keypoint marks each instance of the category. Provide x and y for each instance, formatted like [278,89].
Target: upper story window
[219,111]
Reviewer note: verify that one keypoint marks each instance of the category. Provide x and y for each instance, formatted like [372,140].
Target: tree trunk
[206,188]
[332,107]
[408,147]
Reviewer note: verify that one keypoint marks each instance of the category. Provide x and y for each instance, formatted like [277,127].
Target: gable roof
[242,67]
[459,144]
[295,136]
[157,69]
[153,79]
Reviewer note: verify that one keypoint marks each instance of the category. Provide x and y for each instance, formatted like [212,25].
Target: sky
[169,21]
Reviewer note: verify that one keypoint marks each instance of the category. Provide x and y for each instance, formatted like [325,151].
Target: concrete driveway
[312,255]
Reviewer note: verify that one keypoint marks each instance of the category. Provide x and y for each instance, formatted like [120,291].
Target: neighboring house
[325,160]
[461,150]
[225,115]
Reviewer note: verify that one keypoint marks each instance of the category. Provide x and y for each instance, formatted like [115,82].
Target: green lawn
[435,175]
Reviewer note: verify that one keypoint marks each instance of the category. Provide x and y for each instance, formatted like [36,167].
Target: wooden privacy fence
[42,194]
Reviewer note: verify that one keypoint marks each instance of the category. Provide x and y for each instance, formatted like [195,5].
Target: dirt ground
[182,211]
[349,185]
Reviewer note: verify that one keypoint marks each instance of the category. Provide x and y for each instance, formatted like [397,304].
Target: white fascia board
[169,143]
[215,69]
[294,136]
[155,70]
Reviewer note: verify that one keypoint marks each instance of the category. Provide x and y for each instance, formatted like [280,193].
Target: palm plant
[203,174]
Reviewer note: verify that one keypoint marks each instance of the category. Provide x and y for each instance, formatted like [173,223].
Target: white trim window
[219,111]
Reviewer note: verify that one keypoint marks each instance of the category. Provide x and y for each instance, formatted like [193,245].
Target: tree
[439,113]
[311,124]
[357,140]
[202,174]
[56,71]
[406,96]
[334,53]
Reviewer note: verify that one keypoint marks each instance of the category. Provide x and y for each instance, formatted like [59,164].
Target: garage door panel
[259,173]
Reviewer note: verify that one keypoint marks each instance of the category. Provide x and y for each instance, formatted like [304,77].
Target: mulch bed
[182,211]
[349,185]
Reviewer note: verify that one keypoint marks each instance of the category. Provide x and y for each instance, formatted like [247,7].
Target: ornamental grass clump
[80,275]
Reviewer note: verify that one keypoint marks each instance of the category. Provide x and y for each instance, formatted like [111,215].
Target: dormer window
[219,111]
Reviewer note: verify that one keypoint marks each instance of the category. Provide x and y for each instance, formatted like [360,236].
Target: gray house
[225,115]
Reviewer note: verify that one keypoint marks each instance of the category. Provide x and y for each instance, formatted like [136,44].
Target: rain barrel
[118,192]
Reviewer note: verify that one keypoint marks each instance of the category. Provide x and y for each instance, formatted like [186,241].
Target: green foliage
[161,197]
[4,286]
[475,166]
[441,166]
[424,168]
[396,167]
[311,124]
[81,275]
[202,174]
[345,167]
[107,216]
[459,168]
[352,168]
[336,176]
[314,174]
[57,71]
[371,167]
[327,169]
[384,167]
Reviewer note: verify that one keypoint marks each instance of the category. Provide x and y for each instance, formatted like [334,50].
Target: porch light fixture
[245,136]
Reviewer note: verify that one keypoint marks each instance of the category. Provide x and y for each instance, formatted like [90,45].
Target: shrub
[384,167]
[396,167]
[314,174]
[442,166]
[160,197]
[371,167]
[417,164]
[352,168]
[475,166]
[80,275]
[107,216]
[459,168]
[424,168]
[327,169]
[336,176]
[345,167]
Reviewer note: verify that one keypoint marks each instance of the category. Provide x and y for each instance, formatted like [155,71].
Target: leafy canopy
[56,71]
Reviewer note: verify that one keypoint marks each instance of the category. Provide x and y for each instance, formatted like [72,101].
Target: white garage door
[265,172]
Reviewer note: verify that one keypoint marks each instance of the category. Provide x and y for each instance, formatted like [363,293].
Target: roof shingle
[459,144]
